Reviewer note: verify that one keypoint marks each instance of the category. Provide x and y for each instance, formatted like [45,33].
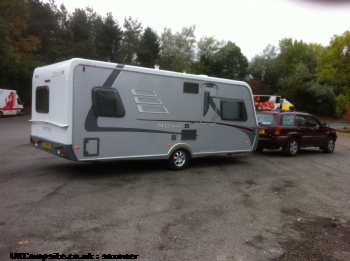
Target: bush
[342,104]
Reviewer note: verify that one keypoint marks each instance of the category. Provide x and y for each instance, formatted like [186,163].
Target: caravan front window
[42,99]
[107,103]
[233,110]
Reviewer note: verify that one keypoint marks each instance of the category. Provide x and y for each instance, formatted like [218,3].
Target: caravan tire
[179,159]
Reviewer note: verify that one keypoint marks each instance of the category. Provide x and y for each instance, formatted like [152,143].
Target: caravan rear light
[60,151]
[277,131]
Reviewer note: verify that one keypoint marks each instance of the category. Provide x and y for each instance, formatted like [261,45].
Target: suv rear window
[265,119]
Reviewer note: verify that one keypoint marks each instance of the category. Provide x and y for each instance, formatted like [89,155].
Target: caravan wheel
[179,159]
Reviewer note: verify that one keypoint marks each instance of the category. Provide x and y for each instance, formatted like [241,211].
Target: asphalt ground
[243,207]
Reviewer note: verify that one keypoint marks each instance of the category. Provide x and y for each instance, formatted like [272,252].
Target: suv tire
[329,147]
[292,147]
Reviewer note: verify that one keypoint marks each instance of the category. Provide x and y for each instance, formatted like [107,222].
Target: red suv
[293,130]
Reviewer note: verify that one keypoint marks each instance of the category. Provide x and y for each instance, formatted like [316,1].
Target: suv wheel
[292,147]
[329,147]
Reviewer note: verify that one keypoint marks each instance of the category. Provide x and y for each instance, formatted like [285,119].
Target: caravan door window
[233,110]
[206,102]
[107,103]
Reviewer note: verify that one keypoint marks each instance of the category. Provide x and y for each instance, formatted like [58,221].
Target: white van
[10,104]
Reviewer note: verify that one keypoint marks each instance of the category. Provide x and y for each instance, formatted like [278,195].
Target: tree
[148,53]
[167,49]
[108,36]
[131,40]
[47,32]
[207,49]
[208,46]
[178,50]
[16,47]
[80,24]
[298,80]
[342,103]
[230,63]
[264,71]
[334,63]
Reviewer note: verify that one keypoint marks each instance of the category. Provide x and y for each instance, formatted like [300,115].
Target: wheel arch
[180,146]
[295,136]
[332,135]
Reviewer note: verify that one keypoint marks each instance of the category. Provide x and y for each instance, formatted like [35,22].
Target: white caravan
[86,110]
[10,104]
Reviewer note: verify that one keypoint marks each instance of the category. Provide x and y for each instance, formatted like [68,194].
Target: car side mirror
[324,125]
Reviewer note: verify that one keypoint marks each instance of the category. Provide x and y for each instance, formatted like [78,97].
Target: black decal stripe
[213,105]
[91,126]
[113,76]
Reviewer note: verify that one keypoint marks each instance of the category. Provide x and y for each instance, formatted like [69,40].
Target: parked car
[292,131]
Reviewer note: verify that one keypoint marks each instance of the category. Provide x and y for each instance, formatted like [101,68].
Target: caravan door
[208,118]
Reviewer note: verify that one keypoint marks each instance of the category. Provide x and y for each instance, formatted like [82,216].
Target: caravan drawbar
[85,110]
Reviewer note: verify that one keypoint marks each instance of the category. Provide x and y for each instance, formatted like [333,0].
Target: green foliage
[149,48]
[230,63]
[334,63]
[107,38]
[178,50]
[16,46]
[342,103]
[315,98]
[130,41]
[265,71]
[208,47]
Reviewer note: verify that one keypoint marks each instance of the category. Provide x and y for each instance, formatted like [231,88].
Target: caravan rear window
[107,102]
[42,99]
[233,110]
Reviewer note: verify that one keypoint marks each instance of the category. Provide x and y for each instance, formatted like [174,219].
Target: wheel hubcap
[330,145]
[179,158]
[293,147]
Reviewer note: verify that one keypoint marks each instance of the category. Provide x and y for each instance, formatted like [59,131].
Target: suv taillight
[277,131]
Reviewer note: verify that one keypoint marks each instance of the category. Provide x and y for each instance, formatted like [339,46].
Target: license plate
[261,131]
[47,145]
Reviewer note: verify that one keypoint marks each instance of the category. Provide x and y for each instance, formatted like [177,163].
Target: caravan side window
[42,99]
[233,110]
[107,103]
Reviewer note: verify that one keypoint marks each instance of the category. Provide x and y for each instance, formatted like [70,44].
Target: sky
[251,24]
